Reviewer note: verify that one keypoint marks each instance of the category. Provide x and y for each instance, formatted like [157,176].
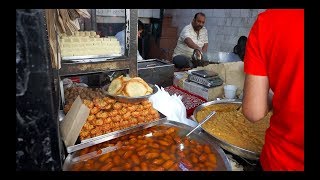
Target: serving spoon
[238,108]
[203,121]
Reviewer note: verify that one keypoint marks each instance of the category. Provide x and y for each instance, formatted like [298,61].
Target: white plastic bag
[171,106]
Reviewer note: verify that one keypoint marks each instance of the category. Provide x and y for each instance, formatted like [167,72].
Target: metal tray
[244,153]
[111,56]
[223,163]
[105,137]
[127,99]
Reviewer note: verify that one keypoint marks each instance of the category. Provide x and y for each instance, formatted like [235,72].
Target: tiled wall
[224,26]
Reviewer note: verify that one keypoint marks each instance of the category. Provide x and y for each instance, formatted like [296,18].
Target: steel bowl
[244,153]
[126,99]
[222,57]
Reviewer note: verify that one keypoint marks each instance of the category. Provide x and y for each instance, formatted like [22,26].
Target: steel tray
[244,153]
[223,163]
[88,57]
[105,137]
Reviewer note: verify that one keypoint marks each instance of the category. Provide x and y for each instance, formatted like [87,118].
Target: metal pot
[197,57]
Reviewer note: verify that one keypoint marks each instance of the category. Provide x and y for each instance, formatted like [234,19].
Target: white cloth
[188,31]
[121,38]
[171,106]
[139,57]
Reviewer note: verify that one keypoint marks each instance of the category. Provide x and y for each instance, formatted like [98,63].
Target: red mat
[190,100]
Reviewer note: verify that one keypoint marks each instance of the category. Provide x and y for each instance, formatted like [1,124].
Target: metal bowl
[222,57]
[126,99]
[225,145]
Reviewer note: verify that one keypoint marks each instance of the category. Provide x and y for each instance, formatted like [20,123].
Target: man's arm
[191,44]
[256,100]
[205,47]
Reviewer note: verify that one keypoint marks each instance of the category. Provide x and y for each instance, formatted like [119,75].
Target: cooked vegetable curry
[231,126]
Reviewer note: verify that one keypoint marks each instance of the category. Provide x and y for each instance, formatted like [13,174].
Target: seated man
[192,36]
[121,38]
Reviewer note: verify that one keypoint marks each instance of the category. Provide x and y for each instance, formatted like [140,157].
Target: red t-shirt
[275,48]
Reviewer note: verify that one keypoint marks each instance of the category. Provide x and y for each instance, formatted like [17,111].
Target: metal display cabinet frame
[128,61]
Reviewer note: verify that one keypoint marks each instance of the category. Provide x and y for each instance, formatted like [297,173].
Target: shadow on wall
[240,48]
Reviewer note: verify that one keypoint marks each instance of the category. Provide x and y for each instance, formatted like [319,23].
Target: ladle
[203,121]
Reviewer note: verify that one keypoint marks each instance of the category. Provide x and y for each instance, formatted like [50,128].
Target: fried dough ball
[135,114]
[100,103]
[127,116]
[144,112]
[109,100]
[94,110]
[99,122]
[147,106]
[84,134]
[122,111]
[117,105]
[108,115]
[117,118]
[140,107]
[113,113]
[91,117]
[132,108]
[88,103]
[107,120]
[102,114]
[86,126]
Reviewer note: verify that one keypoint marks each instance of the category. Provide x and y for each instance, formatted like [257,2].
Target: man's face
[139,33]
[198,23]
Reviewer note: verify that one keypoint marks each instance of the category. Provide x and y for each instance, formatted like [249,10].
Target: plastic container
[230,91]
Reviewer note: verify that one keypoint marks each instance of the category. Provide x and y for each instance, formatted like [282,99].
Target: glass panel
[112,23]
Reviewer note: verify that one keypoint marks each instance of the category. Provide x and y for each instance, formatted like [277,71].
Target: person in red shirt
[274,60]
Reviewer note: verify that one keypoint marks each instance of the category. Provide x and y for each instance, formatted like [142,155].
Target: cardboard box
[230,73]
[72,123]
[209,94]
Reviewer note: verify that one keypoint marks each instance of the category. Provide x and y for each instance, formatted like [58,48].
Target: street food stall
[114,126]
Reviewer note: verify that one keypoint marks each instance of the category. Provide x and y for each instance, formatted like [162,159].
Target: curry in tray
[230,126]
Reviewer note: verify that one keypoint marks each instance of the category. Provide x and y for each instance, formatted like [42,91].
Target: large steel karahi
[160,145]
[251,153]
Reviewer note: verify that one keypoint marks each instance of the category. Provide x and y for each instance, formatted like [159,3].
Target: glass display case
[82,65]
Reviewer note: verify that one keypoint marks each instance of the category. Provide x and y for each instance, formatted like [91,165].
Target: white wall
[224,26]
